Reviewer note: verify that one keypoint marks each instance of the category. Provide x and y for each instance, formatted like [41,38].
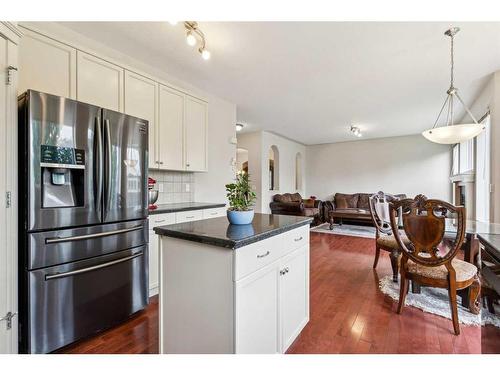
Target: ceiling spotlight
[173,23]
[190,39]
[239,127]
[205,54]
[356,131]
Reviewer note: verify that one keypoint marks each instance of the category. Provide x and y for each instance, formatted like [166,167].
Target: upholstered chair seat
[464,270]
[390,241]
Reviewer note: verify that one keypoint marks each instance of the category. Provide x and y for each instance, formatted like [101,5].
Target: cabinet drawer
[250,258]
[296,238]
[161,219]
[214,212]
[183,216]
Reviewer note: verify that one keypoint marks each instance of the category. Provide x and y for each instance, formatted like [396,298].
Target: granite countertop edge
[229,244]
[179,207]
[485,237]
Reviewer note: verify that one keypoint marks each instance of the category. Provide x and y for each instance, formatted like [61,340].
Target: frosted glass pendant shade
[453,134]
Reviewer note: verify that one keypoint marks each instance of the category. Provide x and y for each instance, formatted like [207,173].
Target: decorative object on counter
[241,198]
[152,194]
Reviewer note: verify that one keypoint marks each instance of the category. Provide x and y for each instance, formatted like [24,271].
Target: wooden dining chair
[426,258]
[384,239]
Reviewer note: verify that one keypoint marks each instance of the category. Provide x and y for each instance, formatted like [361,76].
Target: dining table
[476,232]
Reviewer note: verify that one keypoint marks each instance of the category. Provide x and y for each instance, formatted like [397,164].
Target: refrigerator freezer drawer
[75,300]
[47,249]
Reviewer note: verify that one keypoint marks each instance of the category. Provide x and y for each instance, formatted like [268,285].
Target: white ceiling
[309,81]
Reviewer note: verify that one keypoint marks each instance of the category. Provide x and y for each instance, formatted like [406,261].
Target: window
[483,165]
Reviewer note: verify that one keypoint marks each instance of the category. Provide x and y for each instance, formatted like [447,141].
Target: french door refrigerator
[83,251]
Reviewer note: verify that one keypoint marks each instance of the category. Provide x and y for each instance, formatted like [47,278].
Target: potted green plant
[241,198]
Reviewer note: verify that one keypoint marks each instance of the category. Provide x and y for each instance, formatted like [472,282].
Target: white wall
[410,165]
[221,117]
[258,145]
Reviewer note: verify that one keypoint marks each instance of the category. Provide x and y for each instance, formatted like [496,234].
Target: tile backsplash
[173,187]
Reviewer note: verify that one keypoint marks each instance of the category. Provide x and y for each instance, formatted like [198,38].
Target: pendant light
[451,133]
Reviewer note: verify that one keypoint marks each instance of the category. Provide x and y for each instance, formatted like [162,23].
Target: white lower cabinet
[272,305]
[294,295]
[156,221]
[210,213]
[251,300]
[257,312]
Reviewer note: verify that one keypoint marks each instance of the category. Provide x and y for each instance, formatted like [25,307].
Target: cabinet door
[196,134]
[153,263]
[170,129]
[141,101]
[46,65]
[99,82]
[294,295]
[256,318]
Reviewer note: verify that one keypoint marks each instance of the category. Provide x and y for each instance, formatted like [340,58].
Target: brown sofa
[349,207]
[293,204]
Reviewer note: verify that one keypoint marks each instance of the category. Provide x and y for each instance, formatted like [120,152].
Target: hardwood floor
[348,313]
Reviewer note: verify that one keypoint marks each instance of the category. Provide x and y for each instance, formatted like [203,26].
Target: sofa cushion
[364,201]
[281,198]
[311,211]
[351,200]
[296,197]
[309,203]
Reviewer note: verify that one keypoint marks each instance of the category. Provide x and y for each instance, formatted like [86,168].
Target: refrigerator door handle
[53,240]
[92,268]
[98,165]
[108,157]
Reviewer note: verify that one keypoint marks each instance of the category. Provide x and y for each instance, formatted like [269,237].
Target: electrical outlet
[188,188]
[160,188]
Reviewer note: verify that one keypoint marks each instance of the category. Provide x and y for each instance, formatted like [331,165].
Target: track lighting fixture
[195,36]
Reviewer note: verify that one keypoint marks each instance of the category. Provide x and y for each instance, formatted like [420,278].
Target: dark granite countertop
[219,232]
[186,206]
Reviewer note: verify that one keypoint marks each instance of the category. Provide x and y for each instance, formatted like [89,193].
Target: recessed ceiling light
[356,131]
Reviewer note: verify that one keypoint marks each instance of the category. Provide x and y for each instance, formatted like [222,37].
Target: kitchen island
[233,288]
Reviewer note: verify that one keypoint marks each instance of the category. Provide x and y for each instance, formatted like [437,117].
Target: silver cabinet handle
[213,213]
[159,221]
[263,255]
[91,236]
[160,162]
[189,217]
[298,239]
[88,269]
[187,164]
[284,271]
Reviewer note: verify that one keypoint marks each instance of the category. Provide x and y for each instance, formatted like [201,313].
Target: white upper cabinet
[46,65]
[170,129]
[99,82]
[141,100]
[196,116]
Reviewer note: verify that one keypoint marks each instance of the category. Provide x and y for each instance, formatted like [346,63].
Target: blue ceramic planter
[240,217]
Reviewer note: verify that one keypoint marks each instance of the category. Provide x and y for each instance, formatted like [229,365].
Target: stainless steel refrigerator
[83,252]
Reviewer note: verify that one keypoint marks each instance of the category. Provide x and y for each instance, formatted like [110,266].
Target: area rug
[346,230]
[435,301]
